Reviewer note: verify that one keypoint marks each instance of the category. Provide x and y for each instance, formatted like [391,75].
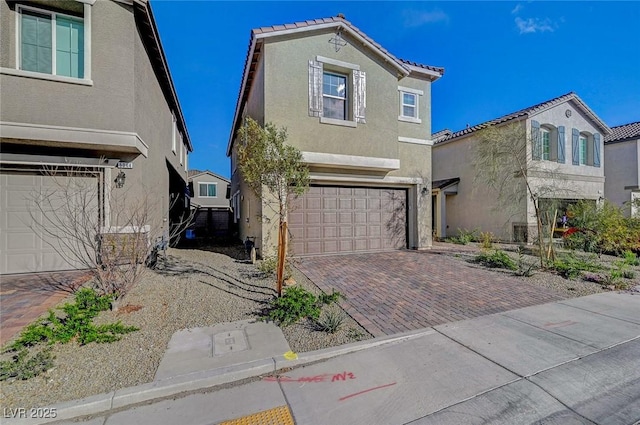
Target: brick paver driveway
[25,297]
[397,291]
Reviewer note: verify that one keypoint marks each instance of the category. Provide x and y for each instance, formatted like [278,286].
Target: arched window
[545,138]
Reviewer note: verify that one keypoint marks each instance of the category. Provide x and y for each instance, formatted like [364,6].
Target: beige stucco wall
[221,191]
[622,169]
[279,94]
[474,206]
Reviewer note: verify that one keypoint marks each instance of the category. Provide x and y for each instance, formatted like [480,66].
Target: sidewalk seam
[597,312]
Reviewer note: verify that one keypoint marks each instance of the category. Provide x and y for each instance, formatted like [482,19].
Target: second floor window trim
[410,104]
[208,189]
[53,40]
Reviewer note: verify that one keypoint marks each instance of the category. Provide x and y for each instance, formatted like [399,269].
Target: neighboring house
[209,197]
[564,152]
[622,166]
[86,89]
[362,119]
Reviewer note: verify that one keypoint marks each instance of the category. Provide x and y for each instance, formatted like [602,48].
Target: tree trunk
[282,251]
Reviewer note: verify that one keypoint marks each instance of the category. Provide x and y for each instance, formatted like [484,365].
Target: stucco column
[423,204]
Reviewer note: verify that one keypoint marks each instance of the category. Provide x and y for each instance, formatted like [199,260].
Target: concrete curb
[102,403]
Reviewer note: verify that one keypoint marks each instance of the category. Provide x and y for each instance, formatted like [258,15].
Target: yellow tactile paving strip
[276,416]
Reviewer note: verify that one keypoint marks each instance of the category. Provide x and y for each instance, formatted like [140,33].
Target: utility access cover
[229,342]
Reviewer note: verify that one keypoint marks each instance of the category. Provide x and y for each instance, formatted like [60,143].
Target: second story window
[410,104]
[582,146]
[208,190]
[546,143]
[334,93]
[51,43]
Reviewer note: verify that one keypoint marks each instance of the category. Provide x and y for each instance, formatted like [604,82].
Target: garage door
[24,246]
[329,220]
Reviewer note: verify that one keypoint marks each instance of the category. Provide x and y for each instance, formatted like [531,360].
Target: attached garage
[25,246]
[332,220]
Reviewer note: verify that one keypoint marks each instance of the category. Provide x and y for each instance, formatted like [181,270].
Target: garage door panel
[330,203]
[24,245]
[350,220]
[329,232]
[345,245]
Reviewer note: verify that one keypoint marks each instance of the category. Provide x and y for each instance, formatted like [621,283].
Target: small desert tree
[503,161]
[70,216]
[275,172]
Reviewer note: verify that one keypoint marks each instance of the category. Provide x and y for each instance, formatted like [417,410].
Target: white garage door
[25,247]
[329,220]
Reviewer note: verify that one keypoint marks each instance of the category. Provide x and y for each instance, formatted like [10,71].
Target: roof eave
[433,75]
[148,15]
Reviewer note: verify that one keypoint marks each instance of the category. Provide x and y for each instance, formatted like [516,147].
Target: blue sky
[498,56]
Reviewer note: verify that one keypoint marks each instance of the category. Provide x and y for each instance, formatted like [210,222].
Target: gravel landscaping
[190,288]
[197,288]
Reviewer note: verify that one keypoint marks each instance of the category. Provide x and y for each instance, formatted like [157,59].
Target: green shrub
[486,238]
[464,236]
[77,322]
[630,258]
[22,366]
[603,228]
[297,303]
[570,266]
[330,321]
[497,259]
[268,265]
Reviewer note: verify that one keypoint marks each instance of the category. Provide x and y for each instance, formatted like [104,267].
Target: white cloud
[416,18]
[517,9]
[533,25]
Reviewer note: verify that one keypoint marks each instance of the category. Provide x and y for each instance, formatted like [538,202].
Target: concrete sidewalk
[570,362]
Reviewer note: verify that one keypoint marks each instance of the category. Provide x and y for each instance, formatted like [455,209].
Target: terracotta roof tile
[624,132]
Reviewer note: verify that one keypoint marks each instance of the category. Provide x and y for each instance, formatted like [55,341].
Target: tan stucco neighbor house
[362,119]
[86,90]
[622,166]
[565,145]
[210,200]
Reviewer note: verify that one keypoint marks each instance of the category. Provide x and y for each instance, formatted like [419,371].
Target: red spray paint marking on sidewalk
[365,391]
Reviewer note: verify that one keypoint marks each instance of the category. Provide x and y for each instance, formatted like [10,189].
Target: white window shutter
[315,88]
[359,96]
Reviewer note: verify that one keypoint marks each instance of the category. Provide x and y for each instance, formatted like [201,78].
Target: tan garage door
[24,246]
[329,220]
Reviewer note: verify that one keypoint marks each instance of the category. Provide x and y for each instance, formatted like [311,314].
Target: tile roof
[623,132]
[529,111]
[254,50]
[441,134]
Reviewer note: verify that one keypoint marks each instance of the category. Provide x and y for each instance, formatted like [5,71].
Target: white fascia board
[90,136]
[329,160]
[424,71]
[239,101]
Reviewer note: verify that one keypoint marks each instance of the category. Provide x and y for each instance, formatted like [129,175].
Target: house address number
[125,165]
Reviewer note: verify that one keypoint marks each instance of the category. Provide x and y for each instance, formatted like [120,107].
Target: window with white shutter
[337,92]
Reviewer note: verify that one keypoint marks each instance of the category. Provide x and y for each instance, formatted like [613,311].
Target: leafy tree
[275,172]
[504,162]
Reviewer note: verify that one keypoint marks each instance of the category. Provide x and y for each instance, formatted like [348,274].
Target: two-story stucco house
[622,166]
[564,157]
[362,119]
[86,89]
[209,199]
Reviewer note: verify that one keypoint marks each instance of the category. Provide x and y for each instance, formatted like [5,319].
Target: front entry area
[333,219]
